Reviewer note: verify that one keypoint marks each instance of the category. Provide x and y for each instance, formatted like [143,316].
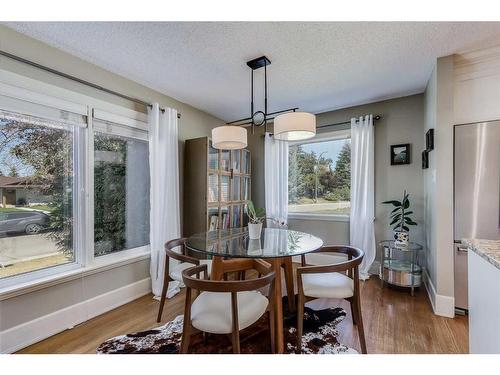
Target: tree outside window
[319,177]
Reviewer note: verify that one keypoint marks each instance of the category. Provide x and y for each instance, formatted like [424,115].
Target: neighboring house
[15,189]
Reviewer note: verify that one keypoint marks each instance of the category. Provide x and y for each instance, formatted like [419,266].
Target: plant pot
[254,231]
[401,238]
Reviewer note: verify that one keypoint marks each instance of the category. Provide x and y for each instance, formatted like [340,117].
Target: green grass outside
[42,207]
[10,209]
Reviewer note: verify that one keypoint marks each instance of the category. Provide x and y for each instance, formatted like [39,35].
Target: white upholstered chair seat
[211,312]
[327,285]
[176,271]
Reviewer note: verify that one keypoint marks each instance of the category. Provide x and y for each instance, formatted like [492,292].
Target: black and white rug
[320,337]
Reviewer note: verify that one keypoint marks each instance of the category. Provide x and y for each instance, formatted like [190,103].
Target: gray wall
[194,123]
[438,182]
[402,122]
[430,214]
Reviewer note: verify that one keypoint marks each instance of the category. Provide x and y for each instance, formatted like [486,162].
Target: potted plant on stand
[256,218]
[400,218]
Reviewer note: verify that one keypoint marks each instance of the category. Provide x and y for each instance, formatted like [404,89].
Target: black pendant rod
[251,107]
[247,120]
[76,79]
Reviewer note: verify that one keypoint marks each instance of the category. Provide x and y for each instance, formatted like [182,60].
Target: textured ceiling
[315,66]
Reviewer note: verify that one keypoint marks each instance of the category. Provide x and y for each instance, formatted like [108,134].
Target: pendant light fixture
[229,137]
[289,124]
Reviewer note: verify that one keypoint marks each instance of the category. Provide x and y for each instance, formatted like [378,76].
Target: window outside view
[36,185]
[319,177]
[121,193]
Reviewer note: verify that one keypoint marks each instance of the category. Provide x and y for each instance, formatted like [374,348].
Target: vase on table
[254,231]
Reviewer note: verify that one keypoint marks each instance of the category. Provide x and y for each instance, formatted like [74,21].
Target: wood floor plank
[395,322]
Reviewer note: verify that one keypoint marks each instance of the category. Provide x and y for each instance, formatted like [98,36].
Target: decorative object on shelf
[425,159]
[289,124]
[429,140]
[256,217]
[400,266]
[400,154]
[400,218]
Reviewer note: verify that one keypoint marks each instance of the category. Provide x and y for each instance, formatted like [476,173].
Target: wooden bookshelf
[217,187]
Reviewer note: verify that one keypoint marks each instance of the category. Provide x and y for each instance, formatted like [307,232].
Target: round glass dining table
[235,243]
[276,246]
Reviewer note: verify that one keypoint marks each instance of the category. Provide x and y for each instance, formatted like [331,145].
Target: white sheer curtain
[362,233]
[164,193]
[276,179]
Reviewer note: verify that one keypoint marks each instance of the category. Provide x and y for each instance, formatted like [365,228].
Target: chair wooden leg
[235,334]
[166,279]
[359,319]
[186,338]
[271,330]
[186,328]
[235,340]
[300,322]
[353,313]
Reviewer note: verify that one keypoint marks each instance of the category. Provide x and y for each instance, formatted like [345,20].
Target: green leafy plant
[255,215]
[400,215]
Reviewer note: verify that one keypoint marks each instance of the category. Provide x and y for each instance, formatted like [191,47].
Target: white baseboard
[28,333]
[441,305]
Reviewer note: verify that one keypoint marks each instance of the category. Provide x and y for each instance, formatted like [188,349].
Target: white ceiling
[315,66]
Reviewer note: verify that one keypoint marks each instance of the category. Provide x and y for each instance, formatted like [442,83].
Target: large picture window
[319,177]
[37,162]
[74,187]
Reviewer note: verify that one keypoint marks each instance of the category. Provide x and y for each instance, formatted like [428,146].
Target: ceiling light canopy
[288,124]
[229,137]
[294,126]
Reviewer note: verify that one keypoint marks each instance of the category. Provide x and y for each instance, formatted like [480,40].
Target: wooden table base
[220,266]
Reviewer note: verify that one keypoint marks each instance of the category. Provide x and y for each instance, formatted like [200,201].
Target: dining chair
[175,273]
[227,307]
[340,281]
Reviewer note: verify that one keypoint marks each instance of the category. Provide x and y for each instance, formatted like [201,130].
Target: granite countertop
[487,249]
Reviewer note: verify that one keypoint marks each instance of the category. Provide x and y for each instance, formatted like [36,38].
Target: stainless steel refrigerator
[477,193]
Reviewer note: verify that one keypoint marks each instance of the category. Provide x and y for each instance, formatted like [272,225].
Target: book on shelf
[213,223]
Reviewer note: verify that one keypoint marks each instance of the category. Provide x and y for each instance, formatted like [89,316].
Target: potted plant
[400,218]
[256,218]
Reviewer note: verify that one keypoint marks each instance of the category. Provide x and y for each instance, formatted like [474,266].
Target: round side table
[400,265]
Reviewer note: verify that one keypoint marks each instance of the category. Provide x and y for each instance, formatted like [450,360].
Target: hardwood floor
[394,322]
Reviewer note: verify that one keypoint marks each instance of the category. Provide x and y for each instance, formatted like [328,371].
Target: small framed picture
[400,154]
[425,159]
[429,140]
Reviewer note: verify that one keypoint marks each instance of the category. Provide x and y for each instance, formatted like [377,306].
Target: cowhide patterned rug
[320,336]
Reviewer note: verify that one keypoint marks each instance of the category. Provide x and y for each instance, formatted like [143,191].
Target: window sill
[318,217]
[77,273]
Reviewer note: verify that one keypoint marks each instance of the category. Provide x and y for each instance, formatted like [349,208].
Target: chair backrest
[354,259]
[227,286]
[180,256]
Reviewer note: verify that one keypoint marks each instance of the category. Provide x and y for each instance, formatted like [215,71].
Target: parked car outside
[29,222]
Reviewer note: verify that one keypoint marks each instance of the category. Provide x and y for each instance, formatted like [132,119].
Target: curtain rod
[375,118]
[79,80]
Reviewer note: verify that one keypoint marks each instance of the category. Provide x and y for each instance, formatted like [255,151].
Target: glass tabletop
[234,243]
[412,246]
